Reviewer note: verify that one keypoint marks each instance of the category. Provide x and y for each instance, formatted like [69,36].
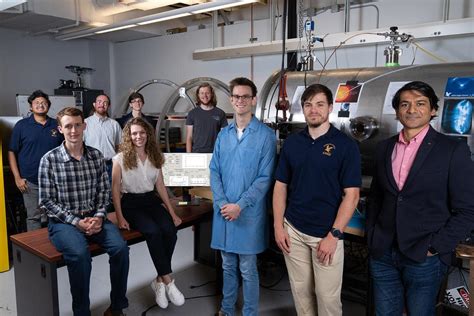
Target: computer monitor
[186,170]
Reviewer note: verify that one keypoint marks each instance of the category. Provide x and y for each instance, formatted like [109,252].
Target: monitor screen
[186,169]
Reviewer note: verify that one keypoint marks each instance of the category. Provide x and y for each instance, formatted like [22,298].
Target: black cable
[202,296]
[283,50]
[186,298]
[146,310]
[200,285]
[324,50]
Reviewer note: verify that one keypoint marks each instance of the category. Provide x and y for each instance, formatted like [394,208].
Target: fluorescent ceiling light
[116,28]
[171,17]
[143,5]
[153,4]
[7,4]
[98,24]
[158,17]
[217,6]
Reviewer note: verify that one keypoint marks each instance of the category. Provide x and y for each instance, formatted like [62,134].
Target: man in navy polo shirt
[316,191]
[31,138]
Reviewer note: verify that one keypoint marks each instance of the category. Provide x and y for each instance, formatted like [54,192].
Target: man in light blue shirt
[241,174]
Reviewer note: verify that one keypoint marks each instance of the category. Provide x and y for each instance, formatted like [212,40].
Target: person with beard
[102,132]
[204,122]
[31,138]
[316,192]
[136,101]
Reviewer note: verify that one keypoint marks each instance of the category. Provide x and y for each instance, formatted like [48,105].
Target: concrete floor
[202,300]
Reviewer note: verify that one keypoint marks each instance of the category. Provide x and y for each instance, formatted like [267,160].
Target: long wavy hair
[152,149]
[213,101]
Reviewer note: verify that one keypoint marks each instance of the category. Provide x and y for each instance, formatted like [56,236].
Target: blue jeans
[399,281]
[247,264]
[73,244]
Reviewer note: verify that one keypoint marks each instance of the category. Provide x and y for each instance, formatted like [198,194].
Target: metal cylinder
[371,103]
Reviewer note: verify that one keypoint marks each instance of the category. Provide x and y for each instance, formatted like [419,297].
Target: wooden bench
[36,260]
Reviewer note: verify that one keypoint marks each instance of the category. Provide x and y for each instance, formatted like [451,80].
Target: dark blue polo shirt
[30,141]
[316,172]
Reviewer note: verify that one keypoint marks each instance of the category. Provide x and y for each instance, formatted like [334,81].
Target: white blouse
[140,179]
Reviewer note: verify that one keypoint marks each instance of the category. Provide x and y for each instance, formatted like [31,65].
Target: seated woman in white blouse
[136,173]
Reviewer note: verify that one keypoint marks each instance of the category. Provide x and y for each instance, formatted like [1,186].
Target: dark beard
[314,125]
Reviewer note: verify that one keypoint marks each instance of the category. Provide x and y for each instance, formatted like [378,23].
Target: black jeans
[145,213]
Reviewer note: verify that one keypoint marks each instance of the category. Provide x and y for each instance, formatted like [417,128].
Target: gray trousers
[30,199]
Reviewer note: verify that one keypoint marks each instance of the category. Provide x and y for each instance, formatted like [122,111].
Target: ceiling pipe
[347,16]
[446,10]
[377,24]
[272,19]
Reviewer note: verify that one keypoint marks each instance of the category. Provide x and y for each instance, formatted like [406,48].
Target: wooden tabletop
[37,241]
[465,251]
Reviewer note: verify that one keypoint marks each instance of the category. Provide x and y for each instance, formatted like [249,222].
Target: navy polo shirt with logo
[30,140]
[316,172]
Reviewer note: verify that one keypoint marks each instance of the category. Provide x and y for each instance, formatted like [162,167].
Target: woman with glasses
[136,102]
[141,202]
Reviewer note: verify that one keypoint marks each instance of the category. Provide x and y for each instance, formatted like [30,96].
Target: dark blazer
[434,208]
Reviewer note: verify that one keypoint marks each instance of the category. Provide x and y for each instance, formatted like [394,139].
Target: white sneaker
[160,293]
[175,296]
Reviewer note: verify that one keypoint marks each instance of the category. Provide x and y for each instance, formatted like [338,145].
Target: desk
[467,252]
[36,261]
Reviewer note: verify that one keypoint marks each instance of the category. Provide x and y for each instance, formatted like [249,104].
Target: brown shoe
[110,312]
[220,313]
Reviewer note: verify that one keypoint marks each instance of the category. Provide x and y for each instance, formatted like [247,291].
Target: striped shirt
[68,187]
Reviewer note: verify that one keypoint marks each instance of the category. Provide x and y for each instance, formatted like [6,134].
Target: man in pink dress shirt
[420,206]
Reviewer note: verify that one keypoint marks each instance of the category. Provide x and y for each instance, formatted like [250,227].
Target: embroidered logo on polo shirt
[54,132]
[328,149]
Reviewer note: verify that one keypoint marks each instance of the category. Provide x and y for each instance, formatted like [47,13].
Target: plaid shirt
[68,187]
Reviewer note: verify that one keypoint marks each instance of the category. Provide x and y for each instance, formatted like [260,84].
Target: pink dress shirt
[404,154]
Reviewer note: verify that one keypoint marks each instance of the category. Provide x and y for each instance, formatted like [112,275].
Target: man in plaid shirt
[74,190]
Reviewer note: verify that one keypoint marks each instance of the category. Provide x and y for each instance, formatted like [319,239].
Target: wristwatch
[337,233]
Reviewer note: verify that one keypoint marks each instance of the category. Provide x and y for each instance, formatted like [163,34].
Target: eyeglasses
[40,103]
[136,101]
[241,97]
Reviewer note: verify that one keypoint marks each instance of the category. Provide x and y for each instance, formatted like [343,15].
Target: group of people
[420,204]
[73,163]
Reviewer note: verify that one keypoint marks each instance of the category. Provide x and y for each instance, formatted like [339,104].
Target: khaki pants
[316,288]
